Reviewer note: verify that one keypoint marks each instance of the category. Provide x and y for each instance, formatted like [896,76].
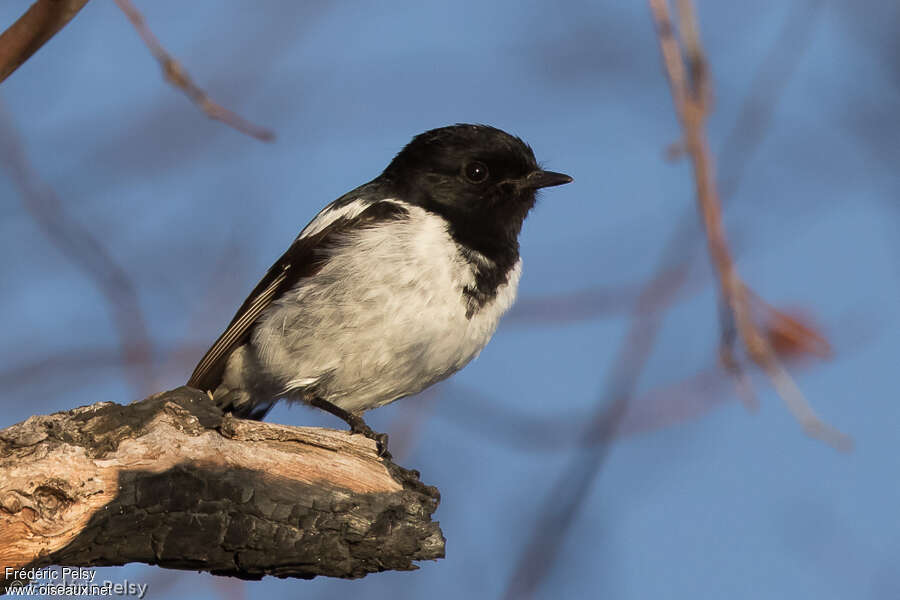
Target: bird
[390,289]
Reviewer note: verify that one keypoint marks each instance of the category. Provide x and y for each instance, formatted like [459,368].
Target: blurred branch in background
[597,302]
[32,30]
[567,496]
[175,74]
[45,18]
[67,364]
[686,68]
[795,338]
[80,245]
[18,43]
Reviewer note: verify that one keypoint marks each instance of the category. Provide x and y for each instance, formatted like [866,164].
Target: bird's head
[481,179]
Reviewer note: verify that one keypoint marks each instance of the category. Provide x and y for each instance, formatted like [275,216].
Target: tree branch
[176,75]
[172,482]
[686,68]
[32,30]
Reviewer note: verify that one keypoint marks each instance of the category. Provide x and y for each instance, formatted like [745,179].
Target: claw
[381,439]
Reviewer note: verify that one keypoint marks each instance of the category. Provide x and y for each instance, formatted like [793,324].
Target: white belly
[361,337]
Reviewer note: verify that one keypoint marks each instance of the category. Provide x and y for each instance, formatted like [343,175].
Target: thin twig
[690,96]
[176,75]
[40,22]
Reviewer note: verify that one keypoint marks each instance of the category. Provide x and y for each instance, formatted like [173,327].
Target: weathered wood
[170,481]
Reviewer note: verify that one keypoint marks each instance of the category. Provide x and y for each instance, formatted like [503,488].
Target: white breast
[383,319]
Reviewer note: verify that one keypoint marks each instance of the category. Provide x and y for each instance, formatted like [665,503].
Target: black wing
[303,259]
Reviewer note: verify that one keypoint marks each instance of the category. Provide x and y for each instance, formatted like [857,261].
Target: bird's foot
[357,425]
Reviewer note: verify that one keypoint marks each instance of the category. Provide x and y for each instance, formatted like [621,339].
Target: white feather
[333,212]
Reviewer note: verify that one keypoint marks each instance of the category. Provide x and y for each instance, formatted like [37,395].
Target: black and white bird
[391,288]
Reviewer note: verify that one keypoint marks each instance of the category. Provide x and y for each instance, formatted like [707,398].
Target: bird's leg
[356,423]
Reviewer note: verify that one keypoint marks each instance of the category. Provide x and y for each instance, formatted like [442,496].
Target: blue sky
[717,504]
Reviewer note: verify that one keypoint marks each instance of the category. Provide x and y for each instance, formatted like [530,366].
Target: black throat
[488,240]
[490,274]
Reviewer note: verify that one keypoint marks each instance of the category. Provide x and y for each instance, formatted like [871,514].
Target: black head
[481,179]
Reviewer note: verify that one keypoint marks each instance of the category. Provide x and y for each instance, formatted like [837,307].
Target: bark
[170,481]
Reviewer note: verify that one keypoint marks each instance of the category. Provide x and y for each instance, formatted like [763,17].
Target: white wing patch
[332,213]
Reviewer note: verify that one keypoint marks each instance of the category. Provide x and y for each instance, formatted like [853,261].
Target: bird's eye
[476,172]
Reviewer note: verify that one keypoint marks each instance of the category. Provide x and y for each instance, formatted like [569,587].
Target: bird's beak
[542,179]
